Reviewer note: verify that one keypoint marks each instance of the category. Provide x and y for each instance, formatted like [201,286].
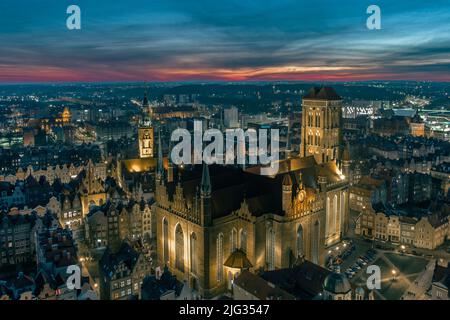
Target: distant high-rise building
[28,137]
[66,116]
[231,117]
[321,124]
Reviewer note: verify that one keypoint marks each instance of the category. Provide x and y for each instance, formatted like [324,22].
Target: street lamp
[394,274]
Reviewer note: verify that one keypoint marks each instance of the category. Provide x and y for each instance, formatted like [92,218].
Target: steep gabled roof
[322,93]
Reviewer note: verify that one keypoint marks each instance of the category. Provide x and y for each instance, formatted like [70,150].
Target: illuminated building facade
[146,140]
[146,131]
[321,124]
[214,222]
[92,190]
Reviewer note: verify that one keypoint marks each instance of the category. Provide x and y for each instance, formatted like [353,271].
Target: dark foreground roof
[260,288]
[304,281]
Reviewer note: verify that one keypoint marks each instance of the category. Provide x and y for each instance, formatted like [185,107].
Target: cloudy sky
[165,40]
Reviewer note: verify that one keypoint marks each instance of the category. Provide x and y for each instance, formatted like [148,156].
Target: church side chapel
[213,222]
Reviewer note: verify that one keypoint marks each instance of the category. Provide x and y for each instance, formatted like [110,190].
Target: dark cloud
[182,39]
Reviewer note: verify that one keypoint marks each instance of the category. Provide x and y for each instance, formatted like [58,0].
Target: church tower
[146,132]
[321,124]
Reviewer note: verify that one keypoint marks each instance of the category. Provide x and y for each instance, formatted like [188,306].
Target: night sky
[146,40]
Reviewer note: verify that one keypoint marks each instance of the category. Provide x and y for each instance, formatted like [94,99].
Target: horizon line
[218,81]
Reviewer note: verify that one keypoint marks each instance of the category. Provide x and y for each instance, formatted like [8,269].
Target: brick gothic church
[214,221]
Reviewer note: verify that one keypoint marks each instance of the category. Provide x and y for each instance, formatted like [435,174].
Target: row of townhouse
[428,232]
[65,172]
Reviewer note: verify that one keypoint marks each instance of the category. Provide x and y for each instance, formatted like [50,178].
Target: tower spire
[145,100]
[170,177]
[288,138]
[205,186]
[160,165]
[205,197]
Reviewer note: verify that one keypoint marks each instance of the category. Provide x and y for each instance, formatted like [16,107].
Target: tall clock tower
[146,132]
[321,124]
[146,140]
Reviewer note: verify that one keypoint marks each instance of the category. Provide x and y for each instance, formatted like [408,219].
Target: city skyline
[232,41]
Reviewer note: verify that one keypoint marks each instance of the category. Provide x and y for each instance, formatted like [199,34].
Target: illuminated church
[214,221]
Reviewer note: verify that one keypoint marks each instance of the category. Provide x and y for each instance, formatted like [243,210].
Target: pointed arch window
[315,242]
[179,248]
[165,240]
[193,253]
[234,239]
[270,248]
[219,252]
[299,241]
[243,240]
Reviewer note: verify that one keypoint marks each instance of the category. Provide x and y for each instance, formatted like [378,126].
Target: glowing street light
[394,274]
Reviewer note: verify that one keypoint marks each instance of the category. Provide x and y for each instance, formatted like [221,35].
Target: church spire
[170,167]
[205,186]
[145,100]
[160,164]
[288,138]
[205,197]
